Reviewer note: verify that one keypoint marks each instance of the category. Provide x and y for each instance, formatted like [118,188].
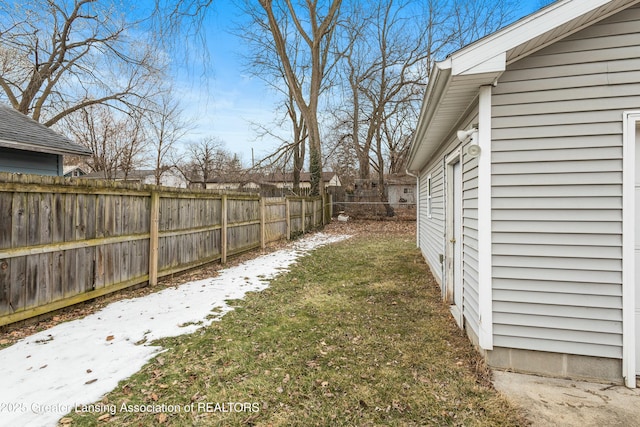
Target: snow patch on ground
[47,375]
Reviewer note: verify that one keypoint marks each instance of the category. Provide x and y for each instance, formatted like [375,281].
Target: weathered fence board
[67,241]
[275,219]
[6,211]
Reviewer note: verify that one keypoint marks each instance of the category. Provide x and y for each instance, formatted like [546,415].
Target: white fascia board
[439,81]
[497,64]
[445,64]
[549,18]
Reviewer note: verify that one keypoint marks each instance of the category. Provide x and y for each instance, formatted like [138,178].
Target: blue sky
[226,102]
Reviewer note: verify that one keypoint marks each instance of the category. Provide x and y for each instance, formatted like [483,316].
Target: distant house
[529,188]
[75,171]
[248,182]
[170,178]
[271,184]
[400,190]
[29,147]
[285,180]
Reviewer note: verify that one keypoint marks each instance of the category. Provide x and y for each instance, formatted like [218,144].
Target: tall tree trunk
[317,34]
[382,194]
[315,161]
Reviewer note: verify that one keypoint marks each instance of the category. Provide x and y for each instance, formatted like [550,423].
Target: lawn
[354,334]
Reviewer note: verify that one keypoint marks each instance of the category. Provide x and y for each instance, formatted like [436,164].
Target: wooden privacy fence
[63,242]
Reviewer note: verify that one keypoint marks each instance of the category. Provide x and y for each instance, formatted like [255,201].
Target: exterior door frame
[630,138]
[453,247]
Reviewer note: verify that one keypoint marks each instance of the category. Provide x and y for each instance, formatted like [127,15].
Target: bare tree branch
[58,57]
[318,44]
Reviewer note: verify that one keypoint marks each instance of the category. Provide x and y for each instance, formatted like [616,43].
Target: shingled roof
[21,132]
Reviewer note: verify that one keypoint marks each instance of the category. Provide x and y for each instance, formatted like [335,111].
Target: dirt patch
[391,226]
[377,212]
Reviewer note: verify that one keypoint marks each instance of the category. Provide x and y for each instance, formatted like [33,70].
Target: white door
[454,235]
[637,252]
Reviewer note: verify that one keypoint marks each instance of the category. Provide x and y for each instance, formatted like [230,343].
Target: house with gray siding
[528,167]
[29,147]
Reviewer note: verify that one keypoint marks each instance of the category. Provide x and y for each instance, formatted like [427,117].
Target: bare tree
[206,159]
[316,28]
[291,153]
[386,66]
[356,70]
[165,127]
[58,57]
[116,140]
[263,62]
[397,135]
[342,158]
[473,19]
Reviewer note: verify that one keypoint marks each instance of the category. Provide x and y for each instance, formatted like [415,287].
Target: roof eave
[439,108]
[440,79]
[73,151]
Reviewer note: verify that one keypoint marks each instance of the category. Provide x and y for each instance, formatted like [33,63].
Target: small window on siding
[429,196]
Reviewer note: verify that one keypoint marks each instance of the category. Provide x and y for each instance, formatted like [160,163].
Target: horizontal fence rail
[64,241]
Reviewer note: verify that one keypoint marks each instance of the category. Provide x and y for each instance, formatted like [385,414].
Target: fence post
[325,197]
[330,209]
[304,214]
[288,215]
[153,238]
[223,231]
[263,224]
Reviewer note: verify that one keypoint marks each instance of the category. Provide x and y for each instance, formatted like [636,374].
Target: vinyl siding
[557,191]
[433,230]
[29,162]
[470,239]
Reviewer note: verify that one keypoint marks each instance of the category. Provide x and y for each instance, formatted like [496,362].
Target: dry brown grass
[354,335]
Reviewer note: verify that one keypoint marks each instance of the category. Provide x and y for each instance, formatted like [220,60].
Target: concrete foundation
[559,365]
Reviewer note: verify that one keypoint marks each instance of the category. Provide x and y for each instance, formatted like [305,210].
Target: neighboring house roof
[133,175]
[271,178]
[404,180]
[74,170]
[21,132]
[240,179]
[455,81]
[391,179]
[304,177]
[119,175]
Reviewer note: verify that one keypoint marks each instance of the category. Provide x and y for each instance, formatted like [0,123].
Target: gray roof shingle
[21,132]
